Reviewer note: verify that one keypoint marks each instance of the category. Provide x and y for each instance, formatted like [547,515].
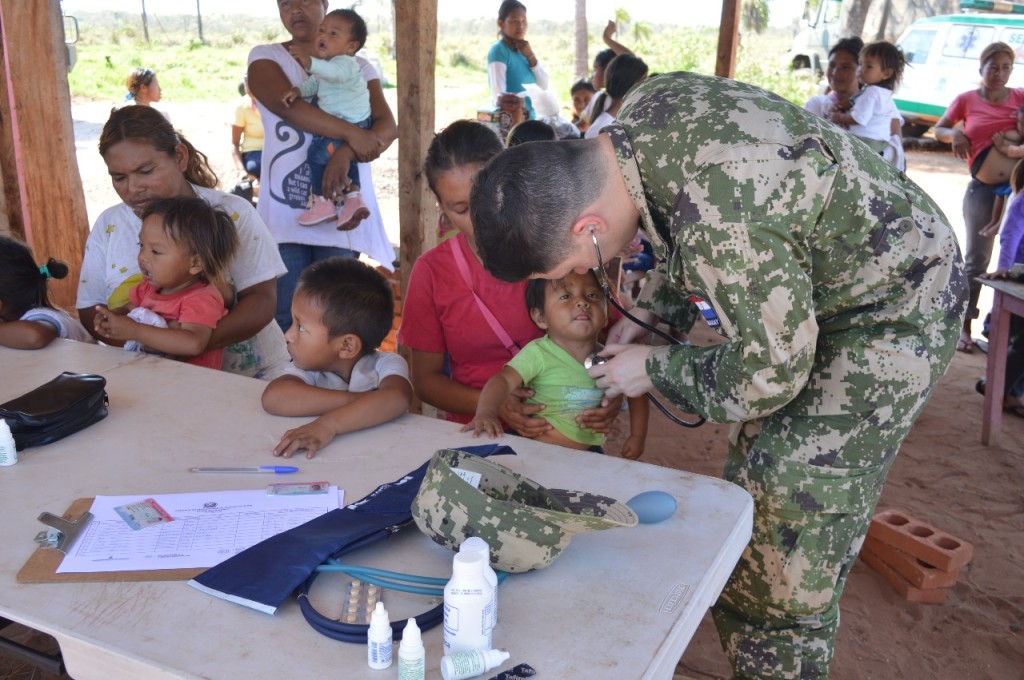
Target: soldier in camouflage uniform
[837,283]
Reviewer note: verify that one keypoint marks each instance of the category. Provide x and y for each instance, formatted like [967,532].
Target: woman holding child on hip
[286,178]
[985,111]
[148,160]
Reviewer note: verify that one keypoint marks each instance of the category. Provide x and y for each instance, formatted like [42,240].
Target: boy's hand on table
[312,437]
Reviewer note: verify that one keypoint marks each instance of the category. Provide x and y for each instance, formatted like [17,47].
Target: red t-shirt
[441,315]
[983,119]
[200,303]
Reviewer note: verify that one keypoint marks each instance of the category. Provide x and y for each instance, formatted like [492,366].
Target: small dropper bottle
[8,449]
[378,639]
[412,659]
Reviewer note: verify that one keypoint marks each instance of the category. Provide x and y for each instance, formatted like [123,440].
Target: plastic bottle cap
[475,544]
[468,564]
[379,618]
[411,637]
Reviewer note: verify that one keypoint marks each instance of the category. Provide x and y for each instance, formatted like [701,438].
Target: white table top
[621,603]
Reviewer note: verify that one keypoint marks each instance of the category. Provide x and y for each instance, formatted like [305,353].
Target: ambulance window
[1014,37]
[967,41]
[916,46]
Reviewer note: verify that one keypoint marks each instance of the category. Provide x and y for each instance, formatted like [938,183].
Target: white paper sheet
[208,528]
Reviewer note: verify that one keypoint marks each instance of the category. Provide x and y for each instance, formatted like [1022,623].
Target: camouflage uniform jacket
[833,276]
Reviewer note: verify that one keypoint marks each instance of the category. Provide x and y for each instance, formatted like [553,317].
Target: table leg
[995,374]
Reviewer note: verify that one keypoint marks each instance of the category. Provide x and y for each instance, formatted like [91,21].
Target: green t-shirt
[560,383]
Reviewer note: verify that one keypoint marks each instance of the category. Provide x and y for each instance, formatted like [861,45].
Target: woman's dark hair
[624,71]
[359,31]
[1017,177]
[604,57]
[146,124]
[136,79]
[890,57]
[531,131]
[852,45]
[509,6]
[22,281]
[464,142]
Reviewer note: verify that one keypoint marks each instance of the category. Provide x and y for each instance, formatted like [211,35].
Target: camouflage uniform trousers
[779,612]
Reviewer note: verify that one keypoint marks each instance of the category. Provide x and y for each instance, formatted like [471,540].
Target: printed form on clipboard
[207,528]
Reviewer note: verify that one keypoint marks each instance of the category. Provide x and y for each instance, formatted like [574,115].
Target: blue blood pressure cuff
[265,575]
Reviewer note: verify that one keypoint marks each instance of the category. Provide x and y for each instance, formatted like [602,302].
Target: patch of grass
[189,70]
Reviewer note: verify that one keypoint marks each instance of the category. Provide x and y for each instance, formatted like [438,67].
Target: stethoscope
[596,359]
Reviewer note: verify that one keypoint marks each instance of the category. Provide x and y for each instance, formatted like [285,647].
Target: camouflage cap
[525,524]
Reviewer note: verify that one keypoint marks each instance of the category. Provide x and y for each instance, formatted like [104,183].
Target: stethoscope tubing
[646,326]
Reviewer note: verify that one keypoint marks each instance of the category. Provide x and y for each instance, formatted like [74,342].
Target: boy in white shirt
[341,311]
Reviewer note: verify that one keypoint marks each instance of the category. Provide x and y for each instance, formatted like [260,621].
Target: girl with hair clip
[147,160]
[143,89]
[27,319]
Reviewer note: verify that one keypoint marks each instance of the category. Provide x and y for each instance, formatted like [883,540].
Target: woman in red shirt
[984,111]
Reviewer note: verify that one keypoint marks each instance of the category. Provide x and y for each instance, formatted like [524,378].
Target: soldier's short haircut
[353,297]
[525,200]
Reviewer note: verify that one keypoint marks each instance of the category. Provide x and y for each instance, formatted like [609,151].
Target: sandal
[1016,408]
[965,344]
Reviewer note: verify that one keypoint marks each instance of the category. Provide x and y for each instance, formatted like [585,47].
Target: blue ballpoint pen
[276,469]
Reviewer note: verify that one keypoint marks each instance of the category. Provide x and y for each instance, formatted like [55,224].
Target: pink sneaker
[353,212]
[319,209]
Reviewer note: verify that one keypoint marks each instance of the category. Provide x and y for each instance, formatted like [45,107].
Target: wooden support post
[43,190]
[416,49]
[728,39]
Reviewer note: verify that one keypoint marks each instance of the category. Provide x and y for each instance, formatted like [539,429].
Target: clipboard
[42,566]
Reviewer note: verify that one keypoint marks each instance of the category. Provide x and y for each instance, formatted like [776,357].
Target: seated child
[995,167]
[341,311]
[27,319]
[337,81]
[184,248]
[572,311]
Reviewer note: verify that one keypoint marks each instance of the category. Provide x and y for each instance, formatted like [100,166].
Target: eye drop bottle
[378,639]
[8,450]
[467,605]
[477,544]
[463,665]
[412,660]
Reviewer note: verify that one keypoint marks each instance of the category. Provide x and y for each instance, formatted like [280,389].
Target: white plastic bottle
[412,659]
[378,639]
[462,665]
[467,605]
[8,450]
[477,544]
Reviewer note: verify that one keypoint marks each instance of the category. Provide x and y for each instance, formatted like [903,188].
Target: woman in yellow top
[247,134]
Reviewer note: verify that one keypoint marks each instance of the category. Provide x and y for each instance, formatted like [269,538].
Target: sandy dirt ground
[943,475]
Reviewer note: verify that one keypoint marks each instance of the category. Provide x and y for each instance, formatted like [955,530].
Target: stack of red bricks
[918,560]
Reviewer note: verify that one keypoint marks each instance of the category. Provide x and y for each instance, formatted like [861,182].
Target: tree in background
[754,15]
[581,61]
